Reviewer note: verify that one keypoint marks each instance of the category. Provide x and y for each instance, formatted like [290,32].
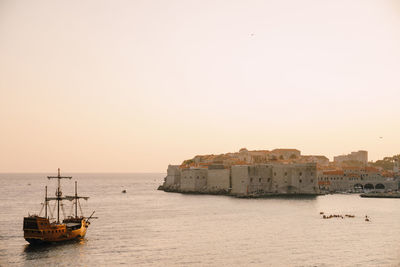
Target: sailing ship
[46,229]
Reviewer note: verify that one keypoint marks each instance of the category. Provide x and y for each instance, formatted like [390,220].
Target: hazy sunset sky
[132,86]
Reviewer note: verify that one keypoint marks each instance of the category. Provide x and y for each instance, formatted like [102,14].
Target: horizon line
[82,172]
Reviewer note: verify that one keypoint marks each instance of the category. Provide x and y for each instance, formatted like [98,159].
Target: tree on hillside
[188,161]
[387,163]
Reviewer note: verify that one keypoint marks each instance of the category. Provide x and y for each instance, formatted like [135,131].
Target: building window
[300,181]
[198,177]
[251,179]
[269,179]
[259,179]
[285,173]
[312,180]
[274,173]
[300,173]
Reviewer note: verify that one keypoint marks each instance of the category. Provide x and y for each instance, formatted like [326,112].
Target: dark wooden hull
[38,230]
[34,241]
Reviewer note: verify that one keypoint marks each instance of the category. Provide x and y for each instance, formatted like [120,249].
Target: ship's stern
[32,233]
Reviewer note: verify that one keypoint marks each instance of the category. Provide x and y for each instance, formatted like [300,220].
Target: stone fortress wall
[245,180]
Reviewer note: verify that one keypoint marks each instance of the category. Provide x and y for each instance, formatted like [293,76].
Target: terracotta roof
[240,162]
[371,169]
[387,174]
[285,149]
[314,156]
[333,172]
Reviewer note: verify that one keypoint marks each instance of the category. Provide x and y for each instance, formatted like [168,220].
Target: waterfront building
[356,179]
[285,154]
[361,156]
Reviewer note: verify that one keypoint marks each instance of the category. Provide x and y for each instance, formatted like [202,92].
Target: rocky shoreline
[252,195]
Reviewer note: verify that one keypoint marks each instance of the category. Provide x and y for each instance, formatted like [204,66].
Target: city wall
[244,180]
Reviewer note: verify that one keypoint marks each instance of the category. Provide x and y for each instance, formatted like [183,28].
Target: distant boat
[123,191]
[39,229]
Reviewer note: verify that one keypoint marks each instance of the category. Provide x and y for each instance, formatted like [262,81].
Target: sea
[148,227]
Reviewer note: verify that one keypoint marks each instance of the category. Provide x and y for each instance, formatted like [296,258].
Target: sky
[132,86]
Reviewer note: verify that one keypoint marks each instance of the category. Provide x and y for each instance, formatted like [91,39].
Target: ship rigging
[39,229]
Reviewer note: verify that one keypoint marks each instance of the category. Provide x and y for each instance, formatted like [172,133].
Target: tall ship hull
[39,230]
[44,229]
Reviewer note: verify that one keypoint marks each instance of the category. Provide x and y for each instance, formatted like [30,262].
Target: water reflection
[46,250]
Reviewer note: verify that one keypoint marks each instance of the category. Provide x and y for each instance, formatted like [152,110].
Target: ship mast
[45,203]
[58,192]
[76,199]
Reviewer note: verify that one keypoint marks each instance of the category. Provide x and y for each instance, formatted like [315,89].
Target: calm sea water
[146,227]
